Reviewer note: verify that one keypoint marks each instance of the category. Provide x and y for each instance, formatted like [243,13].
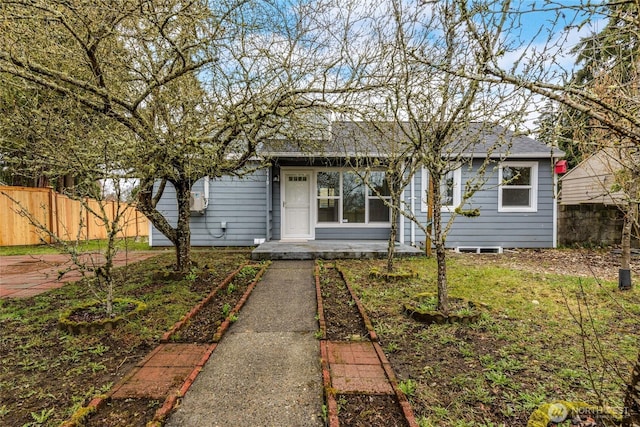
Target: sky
[547,33]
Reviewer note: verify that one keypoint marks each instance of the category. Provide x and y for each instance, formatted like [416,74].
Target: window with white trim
[450,189]
[518,187]
[343,197]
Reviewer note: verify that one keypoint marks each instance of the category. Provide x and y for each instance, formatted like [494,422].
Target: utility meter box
[196,202]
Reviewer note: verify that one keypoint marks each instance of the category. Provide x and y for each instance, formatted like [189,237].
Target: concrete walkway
[266,370]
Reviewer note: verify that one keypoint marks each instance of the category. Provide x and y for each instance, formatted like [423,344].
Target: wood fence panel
[15,229]
[95,223]
[67,218]
[60,215]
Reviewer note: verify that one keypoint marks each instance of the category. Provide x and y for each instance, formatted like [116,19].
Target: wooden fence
[61,216]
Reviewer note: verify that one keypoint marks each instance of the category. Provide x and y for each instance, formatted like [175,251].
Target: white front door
[296,205]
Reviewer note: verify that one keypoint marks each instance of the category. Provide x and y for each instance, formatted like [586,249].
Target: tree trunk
[438,242]
[632,399]
[395,191]
[391,250]
[179,236]
[183,229]
[443,291]
[624,278]
[625,262]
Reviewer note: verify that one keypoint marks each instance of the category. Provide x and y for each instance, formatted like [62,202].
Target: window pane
[512,175]
[378,212]
[328,210]
[378,181]
[516,197]
[353,198]
[447,189]
[328,184]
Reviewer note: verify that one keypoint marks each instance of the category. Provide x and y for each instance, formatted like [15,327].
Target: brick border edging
[81,414]
[329,392]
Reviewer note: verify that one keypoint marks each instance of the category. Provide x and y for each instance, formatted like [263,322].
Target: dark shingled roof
[360,139]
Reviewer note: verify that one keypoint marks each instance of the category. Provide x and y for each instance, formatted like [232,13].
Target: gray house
[316,195]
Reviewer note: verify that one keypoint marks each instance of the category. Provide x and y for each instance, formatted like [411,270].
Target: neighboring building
[589,207]
[591,181]
[317,196]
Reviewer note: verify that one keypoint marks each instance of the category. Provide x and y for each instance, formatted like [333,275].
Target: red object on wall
[561,167]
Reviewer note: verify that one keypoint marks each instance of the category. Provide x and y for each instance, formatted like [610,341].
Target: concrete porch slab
[329,249]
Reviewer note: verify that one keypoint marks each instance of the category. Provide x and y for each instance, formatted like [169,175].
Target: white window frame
[340,199]
[532,187]
[457,190]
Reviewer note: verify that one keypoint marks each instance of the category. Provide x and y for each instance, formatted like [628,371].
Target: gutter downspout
[402,218]
[206,191]
[555,206]
[266,205]
[413,212]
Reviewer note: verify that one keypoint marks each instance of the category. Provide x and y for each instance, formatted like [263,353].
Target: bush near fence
[60,215]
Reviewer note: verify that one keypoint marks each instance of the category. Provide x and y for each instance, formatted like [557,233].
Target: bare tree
[426,118]
[196,85]
[608,99]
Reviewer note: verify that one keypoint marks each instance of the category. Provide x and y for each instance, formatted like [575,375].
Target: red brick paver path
[163,371]
[356,368]
[23,276]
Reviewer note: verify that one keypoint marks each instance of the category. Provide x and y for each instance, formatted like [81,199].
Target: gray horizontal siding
[241,202]
[493,228]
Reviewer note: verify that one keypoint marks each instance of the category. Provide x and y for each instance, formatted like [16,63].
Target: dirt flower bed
[342,317]
[202,327]
[344,323]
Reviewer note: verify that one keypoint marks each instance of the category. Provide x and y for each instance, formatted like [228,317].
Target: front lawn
[527,348]
[45,374]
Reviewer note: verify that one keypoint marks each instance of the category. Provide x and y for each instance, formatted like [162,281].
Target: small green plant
[498,378]
[466,350]
[318,334]
[231,288]
[408,387]
[440,412]
[247,272]
[233,318]
[4,411]
[325,413]
[99,350]
[192,275]
[96,367]
[41,417]
[392,347]
[226,309]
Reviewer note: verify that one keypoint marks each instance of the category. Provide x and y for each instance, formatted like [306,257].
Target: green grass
[84,246]
[520,353]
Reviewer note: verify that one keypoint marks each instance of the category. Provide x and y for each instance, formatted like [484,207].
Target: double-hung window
[518,187]
[450,189]
[343,197]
